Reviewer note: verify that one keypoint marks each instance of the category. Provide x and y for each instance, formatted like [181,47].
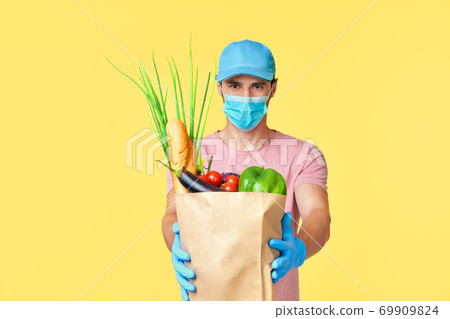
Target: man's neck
[246,141]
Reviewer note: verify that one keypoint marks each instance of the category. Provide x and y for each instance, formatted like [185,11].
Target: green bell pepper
[258,179]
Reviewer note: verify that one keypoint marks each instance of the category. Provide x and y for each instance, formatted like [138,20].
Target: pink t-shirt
[299,162]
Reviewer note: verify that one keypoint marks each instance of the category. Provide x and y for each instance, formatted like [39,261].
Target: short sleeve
[169,181]
[314,170]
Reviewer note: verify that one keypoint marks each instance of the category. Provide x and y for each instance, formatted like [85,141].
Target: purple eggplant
[195,184]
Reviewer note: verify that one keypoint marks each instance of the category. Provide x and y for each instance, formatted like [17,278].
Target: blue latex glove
[292,250]
[182,272]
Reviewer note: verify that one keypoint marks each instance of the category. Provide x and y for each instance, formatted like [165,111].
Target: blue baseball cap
[246,57]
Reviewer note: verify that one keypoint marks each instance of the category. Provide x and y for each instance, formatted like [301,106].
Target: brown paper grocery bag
[227,235]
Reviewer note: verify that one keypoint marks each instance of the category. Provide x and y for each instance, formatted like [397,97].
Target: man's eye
[258,86]
[234,86]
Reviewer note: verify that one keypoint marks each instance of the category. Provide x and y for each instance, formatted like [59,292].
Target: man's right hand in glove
[182,272]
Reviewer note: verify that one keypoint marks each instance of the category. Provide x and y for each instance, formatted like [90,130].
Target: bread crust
[181,152]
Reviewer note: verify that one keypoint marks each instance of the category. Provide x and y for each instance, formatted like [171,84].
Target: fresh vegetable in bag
[258,179]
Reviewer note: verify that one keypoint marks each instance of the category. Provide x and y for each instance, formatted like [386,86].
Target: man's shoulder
[302,147]
[291,140]
[302,150]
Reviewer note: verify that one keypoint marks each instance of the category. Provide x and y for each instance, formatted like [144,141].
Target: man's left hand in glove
[292,250]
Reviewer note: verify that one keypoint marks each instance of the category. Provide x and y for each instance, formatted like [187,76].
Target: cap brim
[246,70]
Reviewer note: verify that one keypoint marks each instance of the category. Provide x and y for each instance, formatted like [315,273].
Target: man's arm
[182,272]
[312,202]
[170,218]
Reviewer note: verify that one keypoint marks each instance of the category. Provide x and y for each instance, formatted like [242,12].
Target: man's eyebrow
[232,82]
[259,83]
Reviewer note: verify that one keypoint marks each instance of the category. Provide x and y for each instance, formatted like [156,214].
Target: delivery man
[246,82]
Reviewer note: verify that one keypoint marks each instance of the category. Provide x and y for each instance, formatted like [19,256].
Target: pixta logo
[142,147]
[145,146]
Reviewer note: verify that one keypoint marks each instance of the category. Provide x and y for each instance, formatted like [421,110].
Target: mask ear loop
[223,95]
[270,92]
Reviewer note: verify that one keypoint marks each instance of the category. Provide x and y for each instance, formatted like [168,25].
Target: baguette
[181,152]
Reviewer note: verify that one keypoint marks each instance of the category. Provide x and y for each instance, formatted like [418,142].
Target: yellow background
[376,104]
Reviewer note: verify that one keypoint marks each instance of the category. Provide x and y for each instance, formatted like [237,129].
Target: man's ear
[274,87]
[218,89]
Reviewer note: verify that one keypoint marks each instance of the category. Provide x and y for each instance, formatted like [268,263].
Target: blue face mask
[245,112]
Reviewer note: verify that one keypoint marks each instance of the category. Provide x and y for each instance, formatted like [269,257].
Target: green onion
[159,85]
[177,108]
[157,112]
[207,109]
[181,92]
[210,163]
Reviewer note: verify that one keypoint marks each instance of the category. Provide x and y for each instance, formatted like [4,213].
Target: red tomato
[214,177]
[203,177]
[230,187]
[232,180]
